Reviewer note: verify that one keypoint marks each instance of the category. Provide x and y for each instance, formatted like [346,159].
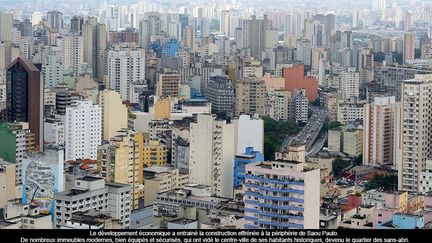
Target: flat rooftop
[183,221]
[90,178]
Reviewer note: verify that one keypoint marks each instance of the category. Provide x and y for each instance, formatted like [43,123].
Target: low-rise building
[192,201]
[160,179]
[92,193]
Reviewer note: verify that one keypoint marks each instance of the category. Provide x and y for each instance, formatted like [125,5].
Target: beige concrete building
[160,179]
[381,134]
[212,151]
[353,142]
[114,113]
[252,69]
[417,131]
[7,182]
[294,153]
[334,140]
[155,153]
[88,87]
[163,108]
[120,161]
[250,96]
[168,84]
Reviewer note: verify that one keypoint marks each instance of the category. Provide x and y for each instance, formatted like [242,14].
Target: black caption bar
[218,236]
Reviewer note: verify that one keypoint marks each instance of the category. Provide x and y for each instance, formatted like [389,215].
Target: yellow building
[160,179]
[7,182]
[114,113]
[119,161]
[155,153]
[163,109]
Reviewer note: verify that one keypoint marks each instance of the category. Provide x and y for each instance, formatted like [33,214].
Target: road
[317,146]
[308,135]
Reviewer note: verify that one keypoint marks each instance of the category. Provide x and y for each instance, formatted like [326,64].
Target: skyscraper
[95,40]
[381,132]
[77,23]
[24,99]
[125,69]
[83,130]
[212,152]
[6,20]
[114,113]
[120,161]
[417,131]
[408,47]
[151,25]
[55,21]
[254,31]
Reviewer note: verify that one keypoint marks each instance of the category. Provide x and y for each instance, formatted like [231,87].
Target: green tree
[274,134]
[358,160]
[334,124]
[388,182]
[339,165]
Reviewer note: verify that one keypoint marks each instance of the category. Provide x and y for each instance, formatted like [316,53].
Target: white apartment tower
[211,156]
[382,132]
[6,20]
[83,130]
[350,83]
[126,68]
[53,71]
[417,131]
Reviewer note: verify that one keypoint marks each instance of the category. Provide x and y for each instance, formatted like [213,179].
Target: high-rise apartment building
[281,195]
[350,83]
[95,41]
[126,69]
[55,21]
[53,70]
[77,23]
[168,83]
[408,47]
[212,151]
[382,132]
[300,105]
[114,113]
[254,32]
[24,99]
[12,148]
[417,131]
[83,130]
[189,37]
[250,96]
[151,25]
[220,93]
[120,161]
[155,153]
[73,53]
[391,77]
[6,20]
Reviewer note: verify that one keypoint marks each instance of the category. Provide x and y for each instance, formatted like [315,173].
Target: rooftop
[183,221]
[90,178]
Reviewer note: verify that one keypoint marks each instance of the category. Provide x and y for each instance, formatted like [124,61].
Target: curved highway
[308,135]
